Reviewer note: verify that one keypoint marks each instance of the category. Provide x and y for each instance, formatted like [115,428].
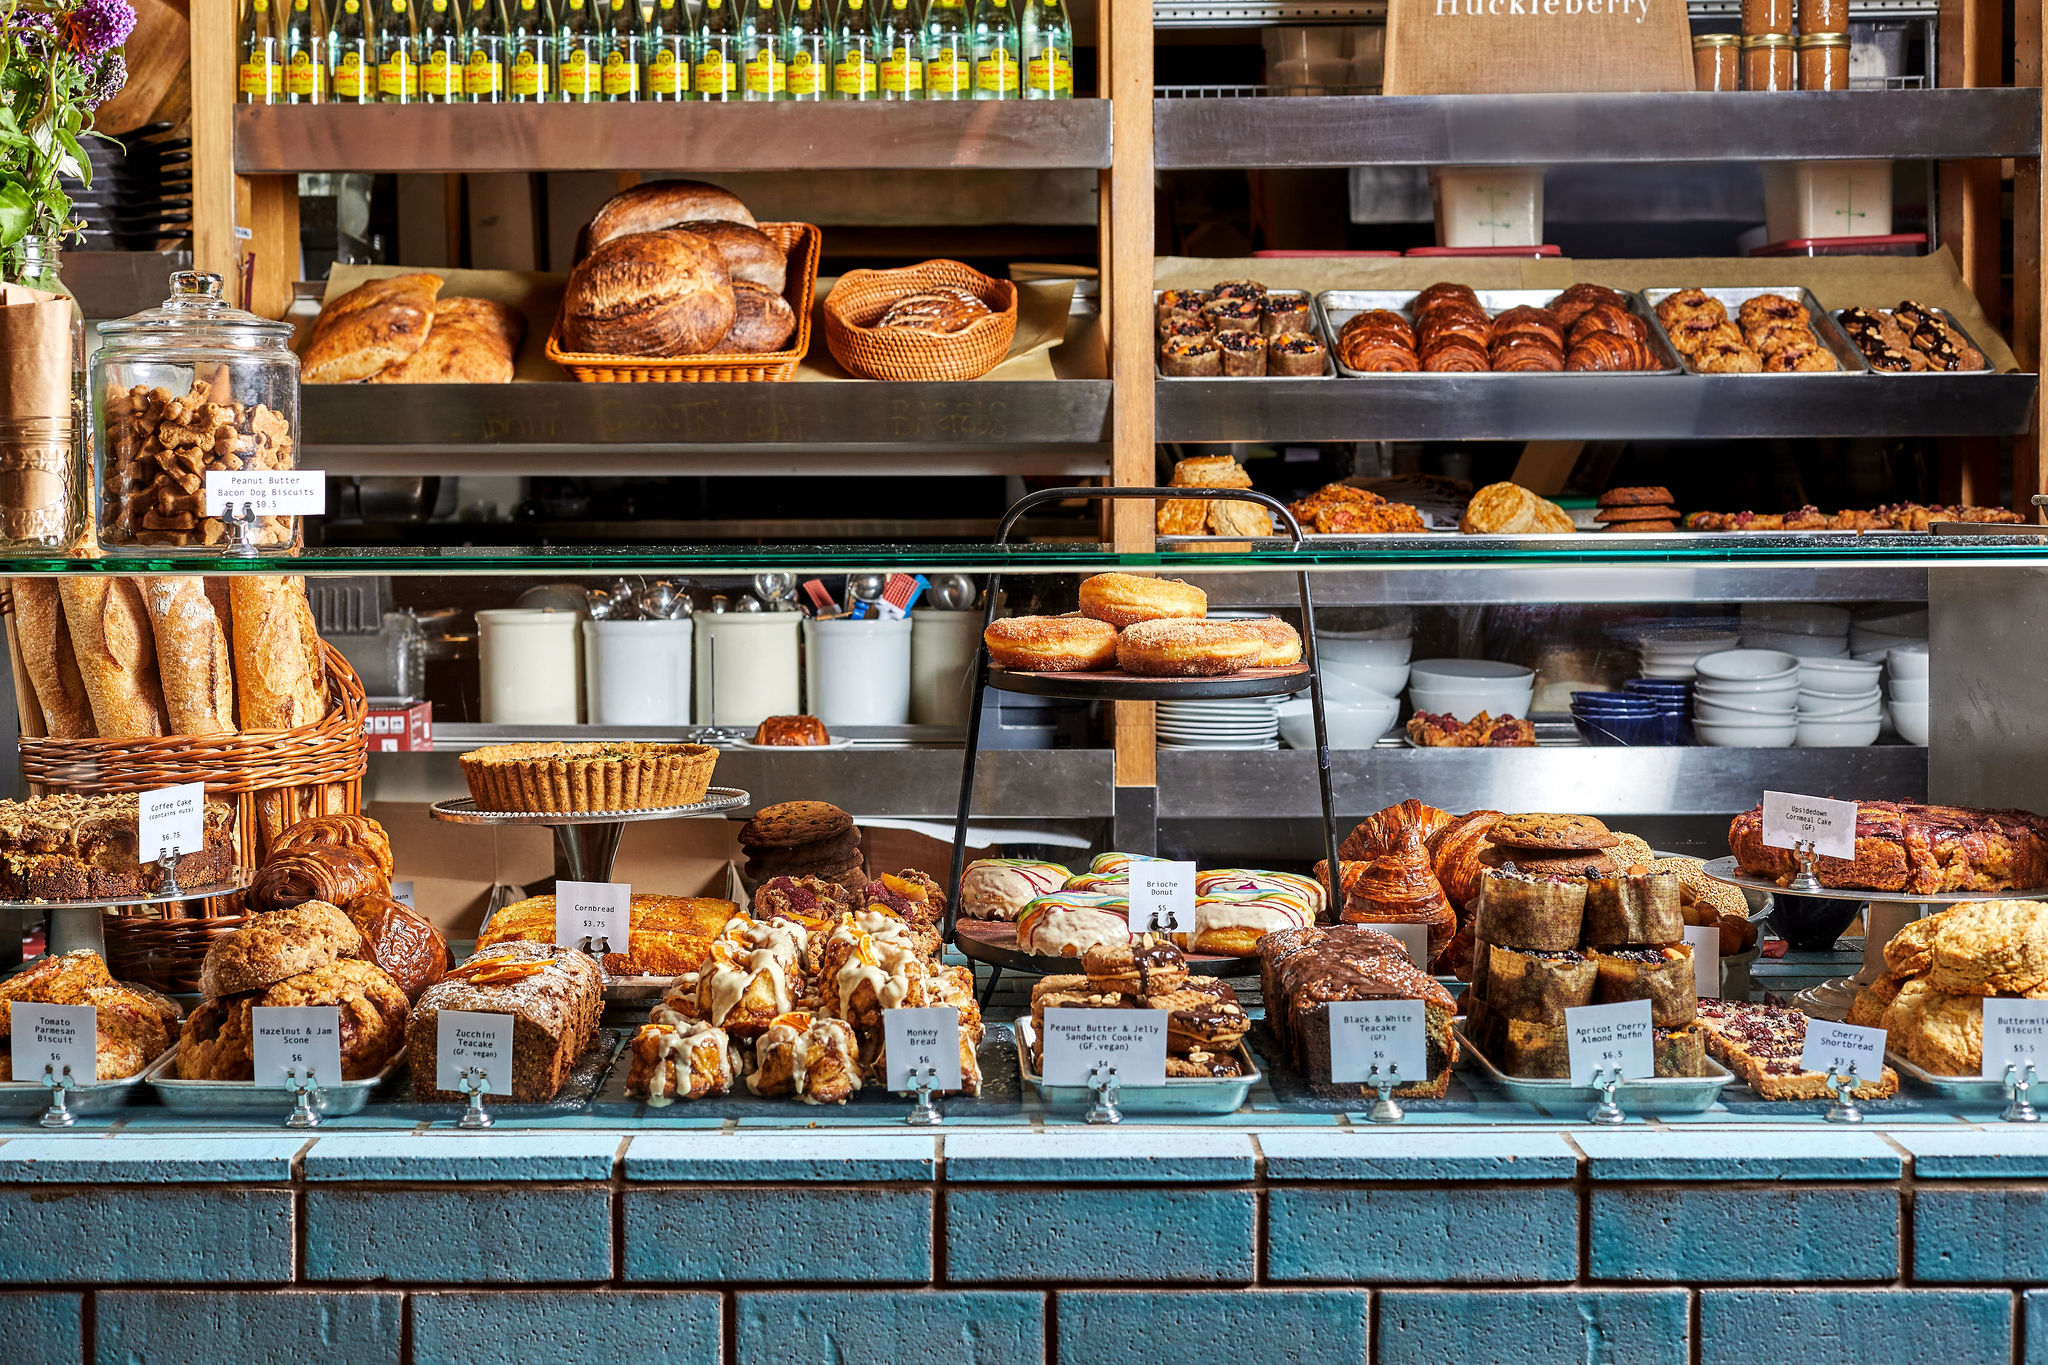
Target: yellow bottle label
[621,75]
[483,76]
[440,6]
[856,75]
[1052,70]
[442,78]
[304,75]
[399,76]
[260,6]
[716,74]
[529,76]
[806,77]
[350,77]
[997,72]
[579,76]
[902,72]
[398,6]
[767,74]
[259,78]
[353,6]
[946,73]
[666,75]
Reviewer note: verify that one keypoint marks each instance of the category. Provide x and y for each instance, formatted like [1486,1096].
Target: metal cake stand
[76,925]
[587,841]
[1885,913]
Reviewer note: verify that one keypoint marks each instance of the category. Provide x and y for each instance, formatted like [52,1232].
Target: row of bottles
[529,51]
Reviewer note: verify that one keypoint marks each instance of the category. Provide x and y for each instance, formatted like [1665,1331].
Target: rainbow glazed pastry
[1226,881]
[1117,864]
[1069,923]
[1230,924]
[1000,888]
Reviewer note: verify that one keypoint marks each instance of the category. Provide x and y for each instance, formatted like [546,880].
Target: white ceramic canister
[942,646]
[858,672]
[528,662]
[637,672]
[747,667]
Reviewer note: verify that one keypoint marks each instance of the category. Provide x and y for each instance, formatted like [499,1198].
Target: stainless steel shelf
[1493,130]
[1207,14]
[1197,784]
[1546,584]
[1416,407]
[1009,135]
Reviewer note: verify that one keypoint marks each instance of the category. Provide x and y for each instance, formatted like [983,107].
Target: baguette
[191,657]
[280,680]
[116,650]
[47,657]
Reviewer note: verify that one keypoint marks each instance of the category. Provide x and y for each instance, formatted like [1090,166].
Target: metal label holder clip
[1103,1081]
[1843,1088]
[925,1110]
[168,865]
[305,1087]
[473,1083]
[1609,1110]
[59,1114]
[1384,1109]
[2019,1087]
[241,529]
[1806,883]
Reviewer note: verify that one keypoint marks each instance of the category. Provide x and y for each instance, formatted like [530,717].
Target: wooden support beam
[2027,250]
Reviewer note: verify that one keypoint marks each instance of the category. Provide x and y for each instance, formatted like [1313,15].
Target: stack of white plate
[1872,637]
[1746,699]
[1906,666]
[1807,630]
[1671,651]
[1244,723]
[1839,704]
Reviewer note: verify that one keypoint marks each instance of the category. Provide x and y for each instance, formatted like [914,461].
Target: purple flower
[100,25]
[109,74]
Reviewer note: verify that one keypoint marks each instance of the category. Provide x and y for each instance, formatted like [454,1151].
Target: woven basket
[860,298]
[802,243]
[163,954]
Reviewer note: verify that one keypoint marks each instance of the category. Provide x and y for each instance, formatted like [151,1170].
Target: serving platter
[1116,685]
[31,1099]
[1960,1089]
[238,1098]
[995,942]
[1178,1095]
[1571,1099]
[1724,870]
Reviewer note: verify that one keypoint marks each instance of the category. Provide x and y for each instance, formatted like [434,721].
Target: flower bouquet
[59,61]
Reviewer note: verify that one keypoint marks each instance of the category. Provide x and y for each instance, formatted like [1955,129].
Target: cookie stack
[1637,509]
[804,839]
[1197,516]
[1205,1023]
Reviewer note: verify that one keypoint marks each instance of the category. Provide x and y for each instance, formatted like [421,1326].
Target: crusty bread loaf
[473,341]
[763,321]
[555,998]
[749,253]
[116,650]
[46,654]
[661,204]
[191,657]
[372,327]
[280,681]
[652,294]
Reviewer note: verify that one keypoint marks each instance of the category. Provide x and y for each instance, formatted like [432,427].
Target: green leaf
[17,211]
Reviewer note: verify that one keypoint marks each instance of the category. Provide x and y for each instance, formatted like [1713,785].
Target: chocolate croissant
[339,876]
[1384,320]
[1575,301]
[1377,355]
[1437,295]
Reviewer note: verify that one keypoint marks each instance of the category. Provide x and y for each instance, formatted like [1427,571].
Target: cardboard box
[400,729]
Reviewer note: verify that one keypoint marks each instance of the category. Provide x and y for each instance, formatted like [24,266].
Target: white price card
[1836,1047]
[1706,960]
[1079,1041]
[1601,1037]
[54,1036]
[1162,897]
[402,893]
[1377,1033]
[593,911]
[305,1039]
[170,818]
[465,1039]
[2015,1031]
[1830,825]
[919,1040]
[1414,939]
[266,492]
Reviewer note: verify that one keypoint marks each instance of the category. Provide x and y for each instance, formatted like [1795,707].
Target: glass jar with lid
[1823,61]
[181,392]
[1766,62]
[1717,61]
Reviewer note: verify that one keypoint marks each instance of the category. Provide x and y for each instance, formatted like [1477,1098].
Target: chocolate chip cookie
[1635,497]
[1551,833]
[794,822]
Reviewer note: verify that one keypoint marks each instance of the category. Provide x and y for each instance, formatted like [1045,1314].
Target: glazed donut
[1282,641]
[1050,644]
[1069,923]
[1188,649]
[1115,863]
[1000,888]
[1124,599]
[1765,308]
[1304,892]
[1106,883]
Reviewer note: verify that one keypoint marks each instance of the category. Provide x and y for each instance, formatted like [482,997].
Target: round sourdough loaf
[662,204]
[651,294]
[750,255]
[764,320]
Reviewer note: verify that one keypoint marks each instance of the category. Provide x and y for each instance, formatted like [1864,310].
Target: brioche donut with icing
[1124,599]
[1000,888]
[1050,644]
[1116,863]
[1231,924]
[1282,641]
[1188,649]
[1306,892]
[1069,923]
[1106,883]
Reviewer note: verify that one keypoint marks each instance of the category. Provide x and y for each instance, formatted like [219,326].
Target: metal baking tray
[1831,336]
[1338,306]
[1945,316]
[1315,329]
[1960,1089]
[637,990]
[1570,1099]
[30,1099]
[221,1098]
[1179,1095]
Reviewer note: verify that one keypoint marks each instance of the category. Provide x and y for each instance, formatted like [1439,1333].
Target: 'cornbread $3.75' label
[1078,1043]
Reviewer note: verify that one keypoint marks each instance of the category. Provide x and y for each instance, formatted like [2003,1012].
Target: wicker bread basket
[862,296]
[802,243]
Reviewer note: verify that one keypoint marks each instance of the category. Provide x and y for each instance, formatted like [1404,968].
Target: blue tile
[1969,1233]
[42,1329]
[1708,1234]
[1854,1326]
[757,1234]
[1444,1234]
[1151,1155]
[1533,1327]
[153,1160]
[259,1327]
[1093,1236]
[122,1234]
[2035,1308]
[1765,1154]
[976,1327]
[2009,1152]
[1162,1327]
[1360,1154]
[781,1157]
[459,1236]
[548,1327]
[463,1156]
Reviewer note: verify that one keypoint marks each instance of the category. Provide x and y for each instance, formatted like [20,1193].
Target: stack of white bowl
[1808,630]
[1671,651]
[1465,687]
[1746,699]
[1872,637]
[1363,673]
[1839,704]
[1906,667]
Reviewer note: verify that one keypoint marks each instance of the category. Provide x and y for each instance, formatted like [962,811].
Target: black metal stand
[1078,686]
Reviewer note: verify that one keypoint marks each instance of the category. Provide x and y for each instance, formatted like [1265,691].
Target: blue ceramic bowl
[1676,686]
[1619,731]
[1614,702]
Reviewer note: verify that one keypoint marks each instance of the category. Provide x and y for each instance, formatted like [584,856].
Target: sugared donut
[1050,644]
[1124,599]
[1282,641]
[1188,649]
[1000,888]
[1069,923]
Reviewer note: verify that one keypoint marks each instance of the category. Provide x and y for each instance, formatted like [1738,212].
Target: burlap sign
[1512,47]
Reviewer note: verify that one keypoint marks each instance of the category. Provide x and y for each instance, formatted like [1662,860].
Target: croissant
[1455,355]
[1577,300]
[339,876]
[1529,321]
[1455,854]
[1380,320]
[1377,356]
[1607,351]
[1385,831]
[1400,888]
[1608,317]
[1526,353]
[358,832]
[1437,295]
[1453,321]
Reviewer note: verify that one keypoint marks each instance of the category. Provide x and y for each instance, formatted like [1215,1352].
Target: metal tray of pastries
[1848,359]
[1339,306]
[1179,1095]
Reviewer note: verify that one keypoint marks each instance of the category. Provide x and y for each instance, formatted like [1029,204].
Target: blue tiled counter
[581,1244]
